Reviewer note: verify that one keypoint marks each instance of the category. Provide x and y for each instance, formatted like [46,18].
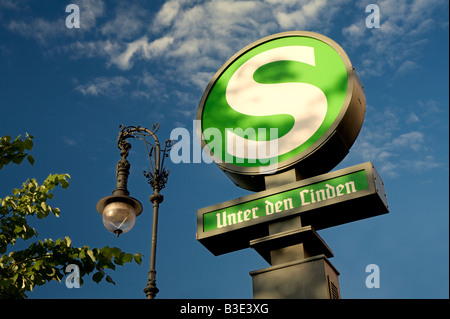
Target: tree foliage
[43,260]
[15,151]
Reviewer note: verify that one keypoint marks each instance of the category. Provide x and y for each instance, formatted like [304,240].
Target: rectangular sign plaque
[322,201]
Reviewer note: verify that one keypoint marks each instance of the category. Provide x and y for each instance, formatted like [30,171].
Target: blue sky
[141,62]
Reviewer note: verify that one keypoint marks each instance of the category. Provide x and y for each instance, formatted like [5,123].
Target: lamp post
[119,211]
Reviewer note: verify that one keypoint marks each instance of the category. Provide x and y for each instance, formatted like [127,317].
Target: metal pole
[151,290]
[157,178]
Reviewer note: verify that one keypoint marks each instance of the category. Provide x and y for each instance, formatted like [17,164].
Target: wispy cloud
[166,14]
[141,48]
[10,4]
[197,37]
[407,67]
[139,86]
[47,31]
[39,29]
[128,22]
[90,10]
[396,46]
[107,86]
[387,142]
[69,141]
[204,34]
[186,41]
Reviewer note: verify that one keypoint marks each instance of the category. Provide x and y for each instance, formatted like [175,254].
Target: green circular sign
[275,103]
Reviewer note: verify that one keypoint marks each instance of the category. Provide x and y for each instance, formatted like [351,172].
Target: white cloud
[393,151]
[354,31]
[423,164]
[299,16]
[69,141]
[431,107]
[192,39]
[197,36]
[406,67]
[104,86]
[412,140]
[167,13]
[90,49]
[128,22]
[45,31]
[9,4]
[413,118]
[216,30]
[148,86]
[396,46]
[143,49]
[39,29]
[144,86]
[90,10]
[200,35]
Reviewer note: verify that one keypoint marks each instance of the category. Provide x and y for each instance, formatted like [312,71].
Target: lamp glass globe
[119,217]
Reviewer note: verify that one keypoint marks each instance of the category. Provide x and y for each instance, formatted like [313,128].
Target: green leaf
[28,144]
[18,229]
[127,258]
[91,254]
[114,251]
[109,279]
[138,258]
[82,254]
[119,260]
[56,211]
[98,276]
[44,206]
[17,159]
[30,159]
[7,139]
[38,263]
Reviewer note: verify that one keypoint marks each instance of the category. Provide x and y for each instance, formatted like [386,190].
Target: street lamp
[119,211]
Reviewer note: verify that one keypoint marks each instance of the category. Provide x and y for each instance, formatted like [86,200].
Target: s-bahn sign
[276,118]
[290,100]
[322,201]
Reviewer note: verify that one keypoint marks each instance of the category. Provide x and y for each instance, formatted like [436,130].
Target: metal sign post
[276,118]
